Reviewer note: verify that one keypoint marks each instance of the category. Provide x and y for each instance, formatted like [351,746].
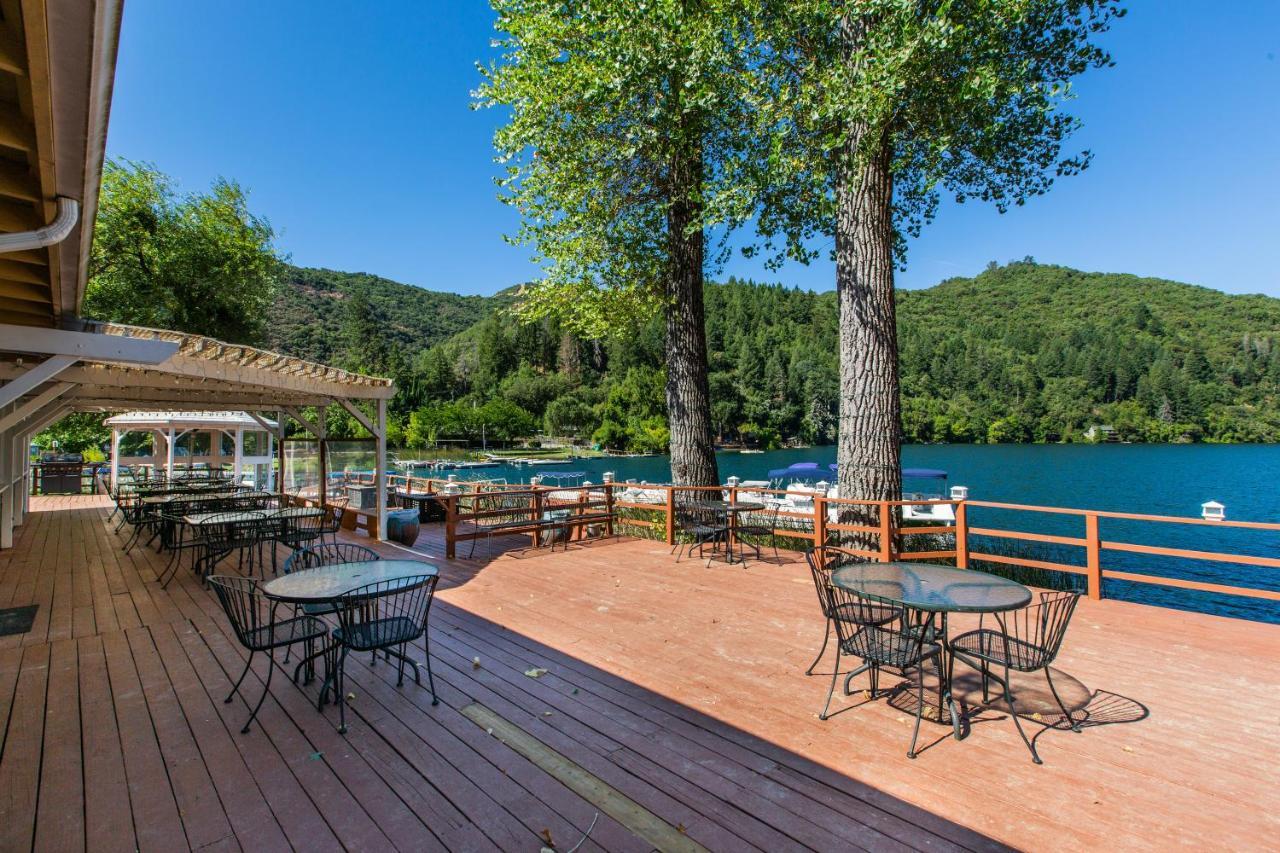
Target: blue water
[1149,479]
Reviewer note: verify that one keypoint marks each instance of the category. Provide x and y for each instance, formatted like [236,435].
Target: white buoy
[1213,511]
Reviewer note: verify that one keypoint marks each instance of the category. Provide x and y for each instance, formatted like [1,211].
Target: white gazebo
[169,428]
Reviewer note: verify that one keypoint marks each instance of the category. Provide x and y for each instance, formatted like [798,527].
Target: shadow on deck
[673,711]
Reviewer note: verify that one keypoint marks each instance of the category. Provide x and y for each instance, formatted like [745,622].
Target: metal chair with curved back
[701,527]
[384,616]
[252,618]
[865,629]
[1029,640]
[822,562]
[334,510]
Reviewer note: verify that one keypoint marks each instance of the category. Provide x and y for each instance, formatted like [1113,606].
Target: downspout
[55,232]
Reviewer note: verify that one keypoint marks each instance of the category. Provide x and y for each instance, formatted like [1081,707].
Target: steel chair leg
[1075,727]
[826,637]
[340,683]
[239,680]
[834,675]
[915,732]
[271,670]
[426,656]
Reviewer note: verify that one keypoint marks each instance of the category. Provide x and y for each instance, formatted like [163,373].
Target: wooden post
[886,532]
[380,468]
[608,509]
[819,521]
[671,515]
[1093,555]
[450,525]
[962,536]
[732,520]
[536,535]
[115,458]
[280,453]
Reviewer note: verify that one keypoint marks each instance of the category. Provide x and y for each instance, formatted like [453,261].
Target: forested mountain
[1022,352]
[312,305]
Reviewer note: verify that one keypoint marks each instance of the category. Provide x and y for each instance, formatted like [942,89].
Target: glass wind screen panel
[136,444]
[192,444]
[351,461]
[302,468]
[256,443]
[227,444]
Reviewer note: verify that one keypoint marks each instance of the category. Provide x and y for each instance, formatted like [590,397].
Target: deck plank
[680,686]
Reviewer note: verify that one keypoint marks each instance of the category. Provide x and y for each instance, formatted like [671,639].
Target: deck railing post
[671,515]
[450,525]
[1093,555]
[819,521]
[608,510]
[732,520]
[962,536]
[886,532]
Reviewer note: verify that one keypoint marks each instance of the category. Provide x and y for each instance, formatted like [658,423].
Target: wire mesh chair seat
[384,616]
[889,648]
[252,618]
[990,645]
[1029,640]
[378,634]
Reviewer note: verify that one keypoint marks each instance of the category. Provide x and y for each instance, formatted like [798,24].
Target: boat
[931,485]
[750,450]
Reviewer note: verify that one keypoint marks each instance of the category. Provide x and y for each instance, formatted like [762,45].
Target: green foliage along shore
[1023,352]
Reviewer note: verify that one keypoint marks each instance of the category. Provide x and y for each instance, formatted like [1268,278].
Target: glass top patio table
[935,589]
[326,583]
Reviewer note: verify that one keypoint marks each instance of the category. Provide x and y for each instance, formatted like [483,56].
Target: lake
[1149,479]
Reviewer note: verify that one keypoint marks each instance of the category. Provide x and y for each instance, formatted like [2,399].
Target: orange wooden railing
[821,524]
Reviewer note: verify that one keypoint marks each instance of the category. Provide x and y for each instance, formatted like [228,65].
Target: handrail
[880,533]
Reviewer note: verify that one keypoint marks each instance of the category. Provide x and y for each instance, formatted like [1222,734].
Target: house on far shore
[1101,432]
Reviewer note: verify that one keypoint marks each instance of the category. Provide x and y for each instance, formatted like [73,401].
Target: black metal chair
[252,617]
[699,527]
[861,632]
[822,562]
[1028,640]
[384,616]
[326,555]
[334,511]
[298,531]
[757,528]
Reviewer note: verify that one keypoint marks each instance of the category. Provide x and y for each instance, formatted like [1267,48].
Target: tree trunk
[693,457]
[870,410]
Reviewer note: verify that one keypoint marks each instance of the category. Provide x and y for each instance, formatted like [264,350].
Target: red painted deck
[680,686]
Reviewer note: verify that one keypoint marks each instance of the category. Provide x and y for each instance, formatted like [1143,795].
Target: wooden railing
[884,536]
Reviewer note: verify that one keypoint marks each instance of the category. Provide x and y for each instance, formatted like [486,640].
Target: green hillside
[312,305]
[1022,352]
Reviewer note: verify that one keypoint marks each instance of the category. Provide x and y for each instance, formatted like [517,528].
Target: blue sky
[354,135]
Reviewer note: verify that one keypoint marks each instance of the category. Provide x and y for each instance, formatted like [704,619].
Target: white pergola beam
[33,377]
[87,346]
[24,410]
[311,426]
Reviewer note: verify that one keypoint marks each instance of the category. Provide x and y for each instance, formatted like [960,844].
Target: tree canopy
[200,263]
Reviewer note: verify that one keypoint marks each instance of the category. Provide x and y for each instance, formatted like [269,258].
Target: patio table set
[894,615]
[332,599]
[726,527]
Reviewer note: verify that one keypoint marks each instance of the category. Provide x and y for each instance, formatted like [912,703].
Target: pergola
[172,427]
[57,66]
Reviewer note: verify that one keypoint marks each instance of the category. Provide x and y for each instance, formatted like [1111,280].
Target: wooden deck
[672,689]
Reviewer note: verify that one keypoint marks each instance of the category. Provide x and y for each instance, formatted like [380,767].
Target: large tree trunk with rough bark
[693,457]
[869,451]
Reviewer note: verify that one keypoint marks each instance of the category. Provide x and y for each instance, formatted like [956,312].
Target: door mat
[17,620]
